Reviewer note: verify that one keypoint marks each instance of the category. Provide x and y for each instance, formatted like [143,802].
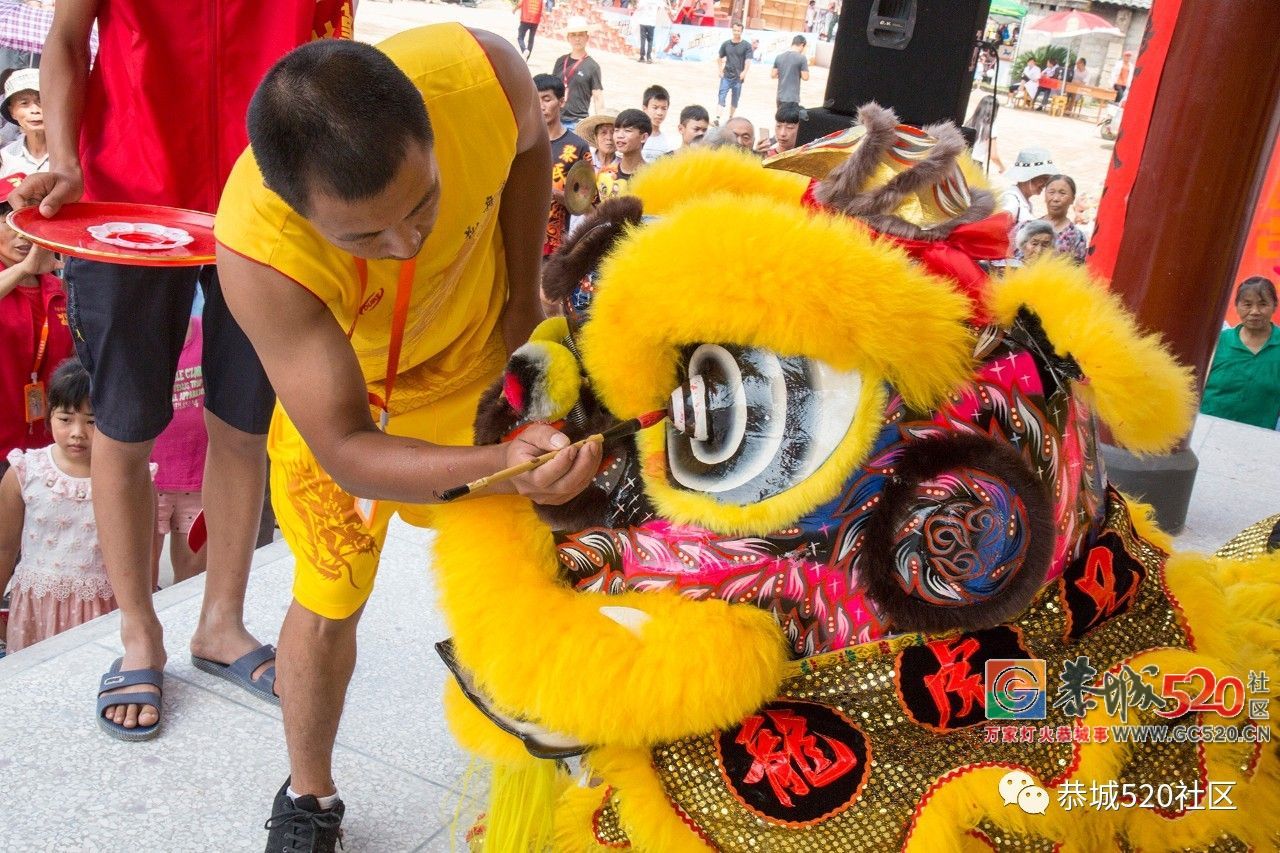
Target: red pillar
[1183,184]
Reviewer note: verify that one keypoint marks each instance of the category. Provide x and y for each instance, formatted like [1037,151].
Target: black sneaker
[301,826]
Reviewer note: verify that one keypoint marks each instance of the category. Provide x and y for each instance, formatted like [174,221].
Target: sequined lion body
[886,575]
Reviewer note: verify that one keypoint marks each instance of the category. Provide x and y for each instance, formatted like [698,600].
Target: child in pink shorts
[180,451]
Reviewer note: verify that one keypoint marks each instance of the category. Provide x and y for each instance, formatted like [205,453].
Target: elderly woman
[1244,382]
[1059,198]
[1034,238]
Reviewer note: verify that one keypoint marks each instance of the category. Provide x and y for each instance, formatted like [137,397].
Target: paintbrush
[613,433]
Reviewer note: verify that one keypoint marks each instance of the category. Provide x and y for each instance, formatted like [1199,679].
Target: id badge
[35,401]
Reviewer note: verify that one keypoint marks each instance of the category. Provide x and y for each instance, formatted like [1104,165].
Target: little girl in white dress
[46,513]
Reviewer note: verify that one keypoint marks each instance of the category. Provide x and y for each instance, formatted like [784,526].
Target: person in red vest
[33,326]
[160,119]
[530,16]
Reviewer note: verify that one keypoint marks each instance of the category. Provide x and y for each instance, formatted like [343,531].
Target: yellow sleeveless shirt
[452,336]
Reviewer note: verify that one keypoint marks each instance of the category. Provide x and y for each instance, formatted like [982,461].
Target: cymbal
[580,188]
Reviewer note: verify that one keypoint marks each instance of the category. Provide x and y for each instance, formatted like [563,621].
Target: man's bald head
[739,131]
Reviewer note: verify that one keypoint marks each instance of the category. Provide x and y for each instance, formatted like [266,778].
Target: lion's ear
[542,382]
[1144,396]
[582,252]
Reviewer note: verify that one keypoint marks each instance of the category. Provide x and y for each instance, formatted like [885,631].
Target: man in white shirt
[647,16]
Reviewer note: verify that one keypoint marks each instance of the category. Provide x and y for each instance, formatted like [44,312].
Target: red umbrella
[1071,24]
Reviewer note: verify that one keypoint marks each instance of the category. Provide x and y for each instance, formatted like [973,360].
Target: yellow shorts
[336,553]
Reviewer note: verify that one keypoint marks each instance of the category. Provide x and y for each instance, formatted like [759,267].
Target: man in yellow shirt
[383,259]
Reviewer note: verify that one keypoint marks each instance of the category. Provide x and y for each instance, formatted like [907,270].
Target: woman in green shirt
[1244,382]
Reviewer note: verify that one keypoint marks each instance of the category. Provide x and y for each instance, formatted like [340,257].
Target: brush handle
[618,430]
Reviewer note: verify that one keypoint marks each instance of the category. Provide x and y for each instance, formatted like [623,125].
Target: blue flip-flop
[113,679]
[240,672]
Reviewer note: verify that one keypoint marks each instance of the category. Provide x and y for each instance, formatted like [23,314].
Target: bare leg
[235,475]
[157,548]
[124,508]
[186,564]
[314,666]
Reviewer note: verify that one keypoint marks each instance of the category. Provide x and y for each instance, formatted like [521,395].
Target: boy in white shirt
[656,103]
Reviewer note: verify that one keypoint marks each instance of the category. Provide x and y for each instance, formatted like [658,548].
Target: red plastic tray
[67,232]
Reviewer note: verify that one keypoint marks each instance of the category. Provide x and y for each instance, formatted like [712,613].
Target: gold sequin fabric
[1223,844]
[907,754]
[606,827]
[1004,840]
[1250,543]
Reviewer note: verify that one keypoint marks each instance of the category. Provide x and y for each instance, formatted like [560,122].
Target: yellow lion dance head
[867,587]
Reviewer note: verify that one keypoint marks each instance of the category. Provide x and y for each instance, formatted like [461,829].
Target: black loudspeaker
[916,56]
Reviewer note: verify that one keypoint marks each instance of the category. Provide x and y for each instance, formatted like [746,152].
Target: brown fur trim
[494,415]
[984,204]
[926,460]
[841,189]
[844,183]
[582,252]
[590,506]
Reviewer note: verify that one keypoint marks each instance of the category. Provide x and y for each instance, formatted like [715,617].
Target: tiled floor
[207,782]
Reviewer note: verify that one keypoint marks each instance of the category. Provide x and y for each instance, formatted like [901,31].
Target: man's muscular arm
[526,199]
[318,380]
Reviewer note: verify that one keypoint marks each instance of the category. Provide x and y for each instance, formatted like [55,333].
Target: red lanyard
[44,340]
[569,72]
[404,291]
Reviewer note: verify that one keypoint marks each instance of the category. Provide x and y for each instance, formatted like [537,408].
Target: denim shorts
[726,86]
[129,324]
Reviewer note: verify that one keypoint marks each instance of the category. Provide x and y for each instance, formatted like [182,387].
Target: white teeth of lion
[677,409]
[628,617]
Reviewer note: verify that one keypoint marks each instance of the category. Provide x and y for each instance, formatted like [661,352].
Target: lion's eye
[747,424]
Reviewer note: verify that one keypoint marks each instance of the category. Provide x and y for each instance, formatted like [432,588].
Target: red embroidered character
[793,761]
[955,675]
[1099,583]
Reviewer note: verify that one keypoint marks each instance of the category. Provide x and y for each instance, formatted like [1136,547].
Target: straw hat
[588,126]
[22,80]
[1031,163]
[577,24]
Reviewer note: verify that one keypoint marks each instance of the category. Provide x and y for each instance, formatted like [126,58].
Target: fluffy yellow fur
[1235,620]
[560,380]
[522,804]
[554,329]
[772,513]
[1145,397]
[867,308]
[546,652]
[692,173]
